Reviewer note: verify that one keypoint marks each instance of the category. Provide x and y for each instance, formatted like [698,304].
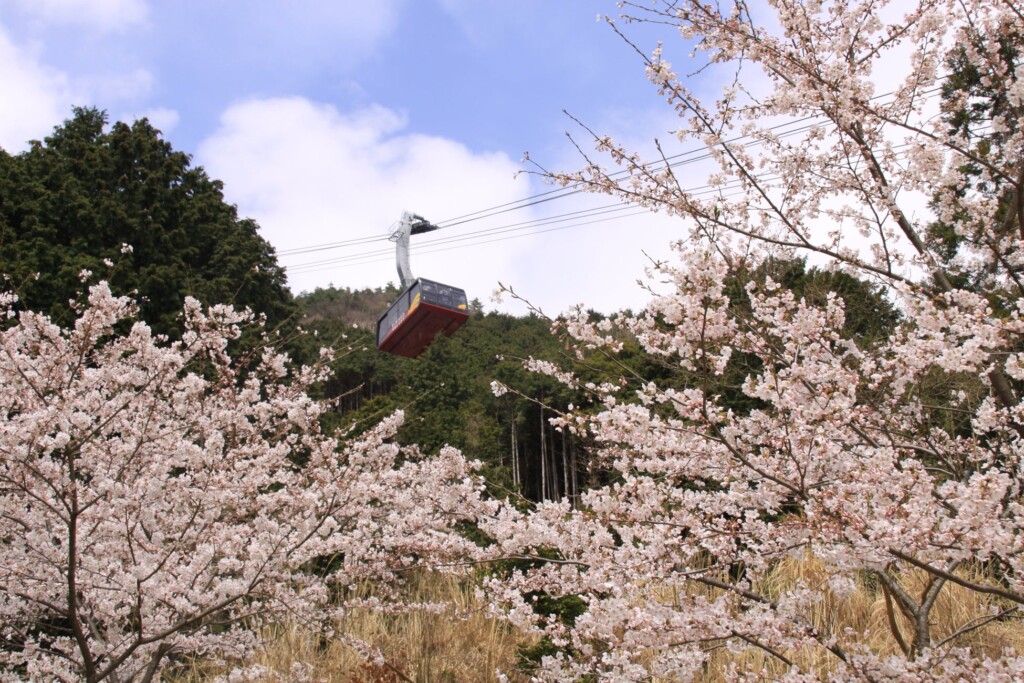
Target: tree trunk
[565,468]
[572,462]
[515,455]
[543,460]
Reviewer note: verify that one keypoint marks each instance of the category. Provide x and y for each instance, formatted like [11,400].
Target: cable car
[425,308]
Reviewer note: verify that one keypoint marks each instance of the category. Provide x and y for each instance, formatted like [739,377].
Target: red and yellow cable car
[425,308]
[423,311]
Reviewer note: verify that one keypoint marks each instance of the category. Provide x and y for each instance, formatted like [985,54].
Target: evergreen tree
[72,201]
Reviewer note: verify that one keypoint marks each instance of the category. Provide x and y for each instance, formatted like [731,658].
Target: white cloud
[38,97]
[163,119]
[45,95]
[600,255]
[101,15]
[310,174]
[597,259]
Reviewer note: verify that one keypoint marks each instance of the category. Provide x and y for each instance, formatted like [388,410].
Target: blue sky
[327,118]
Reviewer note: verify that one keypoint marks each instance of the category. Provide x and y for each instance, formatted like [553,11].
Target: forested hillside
[449,396]
[446,393]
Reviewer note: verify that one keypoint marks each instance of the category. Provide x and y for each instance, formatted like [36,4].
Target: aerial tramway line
[425,308]
[561,221]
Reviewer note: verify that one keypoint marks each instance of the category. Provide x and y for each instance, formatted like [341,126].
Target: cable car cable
[379,255]
[560,193]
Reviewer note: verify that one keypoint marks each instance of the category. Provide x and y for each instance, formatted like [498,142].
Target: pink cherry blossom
[164,500]
[875,459]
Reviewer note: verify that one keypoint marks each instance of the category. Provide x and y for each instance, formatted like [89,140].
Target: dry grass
[420,646]
[862,619]
[428,647]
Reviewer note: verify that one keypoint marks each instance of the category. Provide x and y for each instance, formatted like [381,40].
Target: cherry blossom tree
[893,466]
[166,500]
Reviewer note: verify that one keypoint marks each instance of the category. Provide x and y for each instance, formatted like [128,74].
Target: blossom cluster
[161,500]
[781,440]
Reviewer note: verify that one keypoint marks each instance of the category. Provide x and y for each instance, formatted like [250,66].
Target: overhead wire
[536,199]
[725,191]
[692,156]
[512,227]
[487,237]
[388,255]
[329,245]
[504,228]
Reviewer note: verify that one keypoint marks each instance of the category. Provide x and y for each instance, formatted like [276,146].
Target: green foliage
[970,102]
[359,308]
[446,393]
[567,609]
[70,202]
[447,397]
[870,316]
[530,656]
[988,97]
